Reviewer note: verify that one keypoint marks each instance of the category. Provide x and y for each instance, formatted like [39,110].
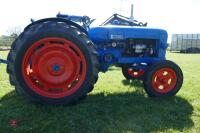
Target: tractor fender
[57,20]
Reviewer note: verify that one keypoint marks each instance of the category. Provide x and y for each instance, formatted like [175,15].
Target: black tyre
[53,63]
[163,78]
[131,74]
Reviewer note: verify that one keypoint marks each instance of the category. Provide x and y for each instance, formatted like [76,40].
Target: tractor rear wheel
[53,63]
[163,78]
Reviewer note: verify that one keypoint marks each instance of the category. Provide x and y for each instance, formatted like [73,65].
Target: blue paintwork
[104,34]
[56,68]
[107,34]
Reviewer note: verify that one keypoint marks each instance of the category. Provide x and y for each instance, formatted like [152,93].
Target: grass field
[115,105]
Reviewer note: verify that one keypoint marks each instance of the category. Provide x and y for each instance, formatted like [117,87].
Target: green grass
[115,105]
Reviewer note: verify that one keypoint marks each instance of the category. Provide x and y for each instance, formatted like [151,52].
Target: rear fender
[57,20]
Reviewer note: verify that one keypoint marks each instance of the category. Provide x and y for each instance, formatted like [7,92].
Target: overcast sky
[176,16]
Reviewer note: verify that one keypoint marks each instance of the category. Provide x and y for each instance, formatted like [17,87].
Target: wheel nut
[69,86]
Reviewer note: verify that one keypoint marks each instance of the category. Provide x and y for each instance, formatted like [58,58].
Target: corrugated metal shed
[185,42]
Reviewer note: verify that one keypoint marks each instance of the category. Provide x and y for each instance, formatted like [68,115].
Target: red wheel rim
[164,80]
[134,73]
[54,67]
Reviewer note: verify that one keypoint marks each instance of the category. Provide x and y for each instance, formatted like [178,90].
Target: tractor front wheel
[163,78]
[53,63]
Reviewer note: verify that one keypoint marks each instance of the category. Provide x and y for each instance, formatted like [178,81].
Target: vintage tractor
[57,60]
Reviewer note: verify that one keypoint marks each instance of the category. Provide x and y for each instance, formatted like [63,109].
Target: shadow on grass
[132,83]
[98,113]
[184,52]
[137,84]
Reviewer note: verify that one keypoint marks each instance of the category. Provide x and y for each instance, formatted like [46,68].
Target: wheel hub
[54,64]
[56,68]
[164,80]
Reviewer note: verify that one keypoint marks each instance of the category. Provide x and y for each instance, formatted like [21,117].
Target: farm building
[185,43]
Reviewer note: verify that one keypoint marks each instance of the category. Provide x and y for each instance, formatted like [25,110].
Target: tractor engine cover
[110,33]
[130,41]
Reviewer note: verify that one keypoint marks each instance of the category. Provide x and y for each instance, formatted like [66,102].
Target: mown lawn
[115,105]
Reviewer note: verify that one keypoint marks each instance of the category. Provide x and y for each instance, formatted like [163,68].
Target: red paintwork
[164,80]
[58,67]
[13,122]
[135,74]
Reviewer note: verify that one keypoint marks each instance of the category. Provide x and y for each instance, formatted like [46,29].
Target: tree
[14,31]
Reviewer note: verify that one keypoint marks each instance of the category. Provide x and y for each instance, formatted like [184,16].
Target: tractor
[56,60]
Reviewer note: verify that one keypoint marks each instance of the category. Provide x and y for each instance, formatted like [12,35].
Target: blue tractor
[57,60]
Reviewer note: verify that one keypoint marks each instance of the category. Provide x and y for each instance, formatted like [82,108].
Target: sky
[176,16]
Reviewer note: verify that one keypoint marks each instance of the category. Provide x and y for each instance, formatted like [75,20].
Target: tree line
[12,34]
